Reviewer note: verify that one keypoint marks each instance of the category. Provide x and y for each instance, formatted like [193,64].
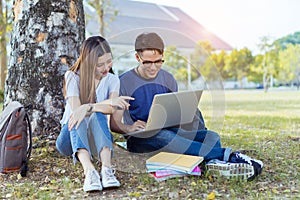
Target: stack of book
[164,165]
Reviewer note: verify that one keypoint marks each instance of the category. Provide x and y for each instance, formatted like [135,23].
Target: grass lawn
[265,124]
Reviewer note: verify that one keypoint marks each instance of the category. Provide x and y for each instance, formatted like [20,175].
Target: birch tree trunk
[45,41]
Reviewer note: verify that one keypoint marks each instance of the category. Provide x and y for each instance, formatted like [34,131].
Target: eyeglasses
[148,63]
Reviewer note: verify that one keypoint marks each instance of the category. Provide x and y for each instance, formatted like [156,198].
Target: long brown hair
[91,49]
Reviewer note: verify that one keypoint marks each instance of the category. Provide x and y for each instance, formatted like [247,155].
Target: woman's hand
[78,115]
[82,111]
[120,103]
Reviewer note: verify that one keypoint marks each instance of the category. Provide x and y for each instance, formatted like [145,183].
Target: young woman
[91,92]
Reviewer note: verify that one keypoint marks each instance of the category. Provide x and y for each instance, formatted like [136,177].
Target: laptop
[171,109]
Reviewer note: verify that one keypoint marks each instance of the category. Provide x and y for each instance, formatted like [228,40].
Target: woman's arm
[74,102]
[110,105]
[78,111]
[107,107]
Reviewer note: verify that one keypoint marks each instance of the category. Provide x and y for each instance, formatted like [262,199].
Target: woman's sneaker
[237,157]
[92,181]
[218,168]
[108,177]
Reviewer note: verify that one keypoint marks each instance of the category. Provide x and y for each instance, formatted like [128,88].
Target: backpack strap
[24,167]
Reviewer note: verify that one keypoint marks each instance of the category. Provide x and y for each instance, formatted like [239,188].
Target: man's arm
[116,124]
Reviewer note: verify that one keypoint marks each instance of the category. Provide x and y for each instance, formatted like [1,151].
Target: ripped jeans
[92,134]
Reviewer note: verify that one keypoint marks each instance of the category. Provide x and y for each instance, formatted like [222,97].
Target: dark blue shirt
[143,90]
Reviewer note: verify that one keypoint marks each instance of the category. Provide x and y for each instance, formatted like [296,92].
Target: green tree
[272,62]
[103,9]
[5,27]
[289,39]
[202,51]
[289,64]
[214,66]
[177,64]
[220,60]
[265,45]
[237,64]
[256,69]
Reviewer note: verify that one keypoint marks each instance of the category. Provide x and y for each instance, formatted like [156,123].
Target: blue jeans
[199,143]
[92,134]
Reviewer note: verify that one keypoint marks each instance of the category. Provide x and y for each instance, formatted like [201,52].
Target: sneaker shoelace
[245,158]
[110,175]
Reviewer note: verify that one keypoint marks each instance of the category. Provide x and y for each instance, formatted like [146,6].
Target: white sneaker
[92,181]
[230,170]
[108,177]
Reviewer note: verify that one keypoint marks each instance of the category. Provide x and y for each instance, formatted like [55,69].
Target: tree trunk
[45,41]
[3,54]
[265,78]
[298,81]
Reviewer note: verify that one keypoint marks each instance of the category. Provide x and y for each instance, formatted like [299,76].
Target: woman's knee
[63,149]
[99,121]
[63,142]
[98,116]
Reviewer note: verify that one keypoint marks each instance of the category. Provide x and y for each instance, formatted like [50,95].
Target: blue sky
[242,23]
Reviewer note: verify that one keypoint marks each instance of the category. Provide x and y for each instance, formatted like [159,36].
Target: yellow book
[179,162]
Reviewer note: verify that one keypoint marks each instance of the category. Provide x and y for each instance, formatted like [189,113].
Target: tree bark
[45,41]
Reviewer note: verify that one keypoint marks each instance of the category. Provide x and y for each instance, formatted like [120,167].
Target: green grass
[266,124]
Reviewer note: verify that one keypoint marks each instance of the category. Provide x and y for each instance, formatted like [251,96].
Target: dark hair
[149,41]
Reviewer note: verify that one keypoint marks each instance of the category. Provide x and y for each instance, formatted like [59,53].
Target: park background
[261,117]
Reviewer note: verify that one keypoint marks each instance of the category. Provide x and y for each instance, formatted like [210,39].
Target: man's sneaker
[92,181]
[237,157]
[220,168]
[108,177]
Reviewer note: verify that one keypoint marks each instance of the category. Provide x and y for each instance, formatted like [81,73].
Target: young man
[148,79]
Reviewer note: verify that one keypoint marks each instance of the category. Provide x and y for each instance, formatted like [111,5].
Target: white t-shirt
[108,84]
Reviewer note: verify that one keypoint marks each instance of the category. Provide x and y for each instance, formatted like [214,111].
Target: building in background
[176,27]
